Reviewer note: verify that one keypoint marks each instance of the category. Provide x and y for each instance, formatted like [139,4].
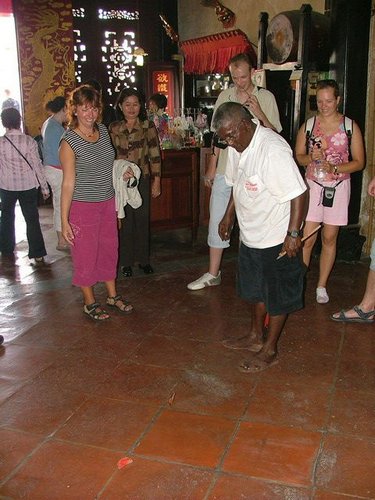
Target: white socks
[321,295]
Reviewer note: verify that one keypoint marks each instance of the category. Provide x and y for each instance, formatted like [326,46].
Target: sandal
[120,304]
[256,365]
[63,248]
[363,317]
[95,312]
[38,262]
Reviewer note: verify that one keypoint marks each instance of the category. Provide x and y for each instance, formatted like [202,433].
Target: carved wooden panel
[46,55]
[104,40]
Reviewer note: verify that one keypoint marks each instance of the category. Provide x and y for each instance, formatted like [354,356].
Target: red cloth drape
[6,7]
[211,54]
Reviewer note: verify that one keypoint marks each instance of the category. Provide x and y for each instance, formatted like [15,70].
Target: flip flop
[256,365]
[363,317]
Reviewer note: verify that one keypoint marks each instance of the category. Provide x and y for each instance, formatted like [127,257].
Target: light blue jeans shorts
[220,195]
[372,256]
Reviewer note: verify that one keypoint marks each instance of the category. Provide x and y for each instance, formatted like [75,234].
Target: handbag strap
[23,156]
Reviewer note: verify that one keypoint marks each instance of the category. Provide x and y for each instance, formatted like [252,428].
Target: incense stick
[303,239]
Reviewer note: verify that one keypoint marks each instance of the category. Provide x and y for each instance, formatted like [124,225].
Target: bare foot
[249,342]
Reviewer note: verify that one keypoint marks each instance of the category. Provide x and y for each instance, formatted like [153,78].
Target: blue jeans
[28,201]
[220,195]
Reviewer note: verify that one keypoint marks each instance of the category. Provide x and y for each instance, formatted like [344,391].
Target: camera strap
[321,185]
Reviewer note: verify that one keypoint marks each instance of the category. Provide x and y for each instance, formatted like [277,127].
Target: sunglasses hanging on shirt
[217,142]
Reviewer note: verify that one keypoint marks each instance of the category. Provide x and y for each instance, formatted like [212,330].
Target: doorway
[10,79]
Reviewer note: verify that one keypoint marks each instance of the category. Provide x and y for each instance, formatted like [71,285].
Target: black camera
[328,196]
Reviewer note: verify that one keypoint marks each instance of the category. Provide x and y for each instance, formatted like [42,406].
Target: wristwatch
[294,233]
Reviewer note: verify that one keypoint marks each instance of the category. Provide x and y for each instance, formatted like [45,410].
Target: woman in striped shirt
[88,214]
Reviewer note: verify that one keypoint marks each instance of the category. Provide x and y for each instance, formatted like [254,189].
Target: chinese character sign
[163,83]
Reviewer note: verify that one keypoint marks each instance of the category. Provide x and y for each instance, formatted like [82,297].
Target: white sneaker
[321,295]
[206,280]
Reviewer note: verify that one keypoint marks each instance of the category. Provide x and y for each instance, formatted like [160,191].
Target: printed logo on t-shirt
[251,186]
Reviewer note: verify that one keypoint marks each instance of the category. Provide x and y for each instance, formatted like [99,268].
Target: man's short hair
[241,58]
[229,112]
[11,118]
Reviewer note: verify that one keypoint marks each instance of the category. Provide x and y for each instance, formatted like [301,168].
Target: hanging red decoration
[211,54]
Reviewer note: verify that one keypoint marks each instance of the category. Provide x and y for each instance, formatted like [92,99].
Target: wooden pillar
[367,214]
[262,48]
[350,27]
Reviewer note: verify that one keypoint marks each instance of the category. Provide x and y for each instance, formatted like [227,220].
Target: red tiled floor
[7,388]
[225,394]
[79,371]
[115,344]
[137,382]
[303,334]
[39,407]
[356,372]
[297,405]
[177,353]
[159,386]
[62,471]
[328,495]
[302,367]
[195,440]
[61,336]
[202,326]
[150,480]
[353,412]
[15,446]
[233,487]
[19,363]
[359,340]
[272,452]
[107,423]
[346,465]
[13,326]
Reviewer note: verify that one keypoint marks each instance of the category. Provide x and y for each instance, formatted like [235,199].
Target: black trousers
[135,229]
[28,201]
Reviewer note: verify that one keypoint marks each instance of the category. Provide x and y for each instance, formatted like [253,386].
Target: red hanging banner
[211,54]
[163,83]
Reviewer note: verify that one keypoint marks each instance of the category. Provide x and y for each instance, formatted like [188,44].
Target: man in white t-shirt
[262,105]
[269,199]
